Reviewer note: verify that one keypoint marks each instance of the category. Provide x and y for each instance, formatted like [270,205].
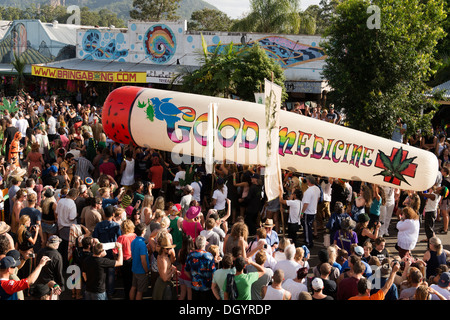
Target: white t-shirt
[289,267]
[445,292]
[180,175]
[389,194]
[326,189]
[221,198]
[184,203]
[42,139]
[51,125]
[22,125]
[294,288]
[67,212]
[197,186]
[311,197]
[431,205]
[294,210]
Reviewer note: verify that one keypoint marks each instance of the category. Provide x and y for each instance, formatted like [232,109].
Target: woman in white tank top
[127,170]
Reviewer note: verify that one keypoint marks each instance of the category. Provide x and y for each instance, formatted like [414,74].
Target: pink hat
[192,212]
[176,207]
[129,211]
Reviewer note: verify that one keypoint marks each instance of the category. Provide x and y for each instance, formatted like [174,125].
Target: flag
[272,173]
[211,137]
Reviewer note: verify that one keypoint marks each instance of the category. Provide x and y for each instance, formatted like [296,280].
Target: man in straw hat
[271,235]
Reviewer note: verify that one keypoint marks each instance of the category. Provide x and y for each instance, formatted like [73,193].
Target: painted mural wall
[169,43]
[30,40]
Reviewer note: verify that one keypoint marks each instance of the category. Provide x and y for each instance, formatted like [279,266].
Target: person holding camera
[408,231]
[399,130]
[9,288]
[365,286]
[27,234]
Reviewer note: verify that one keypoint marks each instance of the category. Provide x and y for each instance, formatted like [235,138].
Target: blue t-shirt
[107,231]
[367,272]
[106,202]
[138,249]
[34,214]
[375,207]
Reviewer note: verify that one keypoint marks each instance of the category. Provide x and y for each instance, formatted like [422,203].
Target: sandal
[443,231]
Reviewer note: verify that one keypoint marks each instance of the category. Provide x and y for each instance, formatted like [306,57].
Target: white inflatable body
[175,121]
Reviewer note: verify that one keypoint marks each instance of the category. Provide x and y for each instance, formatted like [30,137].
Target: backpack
[321,193]
[231,287]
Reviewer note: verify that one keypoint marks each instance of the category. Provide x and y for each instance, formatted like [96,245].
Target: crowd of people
[73,198]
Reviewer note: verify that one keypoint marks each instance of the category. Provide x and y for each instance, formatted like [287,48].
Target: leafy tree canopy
[378,75]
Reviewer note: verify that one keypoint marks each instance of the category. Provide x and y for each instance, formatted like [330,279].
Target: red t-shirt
[9,288]
[155,175]
[108,168]
[347,288]
[125,240]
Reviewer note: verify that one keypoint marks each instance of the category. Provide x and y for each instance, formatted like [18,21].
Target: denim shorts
[187,283]
[49,228]
[95,295]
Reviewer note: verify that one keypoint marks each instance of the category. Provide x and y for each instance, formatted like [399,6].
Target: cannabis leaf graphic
[395,168]
[141,104]
[150,110]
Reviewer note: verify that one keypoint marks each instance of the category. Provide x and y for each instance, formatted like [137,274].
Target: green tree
[209,20]
[271,16]
[308,23]
[11,13]
[442,67]
[48,13]
[19,64]
[378,75]
[148,10]
[88,17]
[108,18]
[254,65]
[324,14]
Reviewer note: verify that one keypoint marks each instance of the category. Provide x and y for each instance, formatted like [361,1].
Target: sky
[237,8]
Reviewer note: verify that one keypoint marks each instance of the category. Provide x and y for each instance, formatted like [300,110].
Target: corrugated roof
[65,33]
[4,26]
[443,87]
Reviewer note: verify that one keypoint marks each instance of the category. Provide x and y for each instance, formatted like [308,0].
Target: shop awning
[8,69]
[123,72]
[307,86]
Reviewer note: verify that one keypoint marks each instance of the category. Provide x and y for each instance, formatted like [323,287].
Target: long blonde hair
[437,244]
[46,203]
[22,228]
[148,201]
[159,203]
